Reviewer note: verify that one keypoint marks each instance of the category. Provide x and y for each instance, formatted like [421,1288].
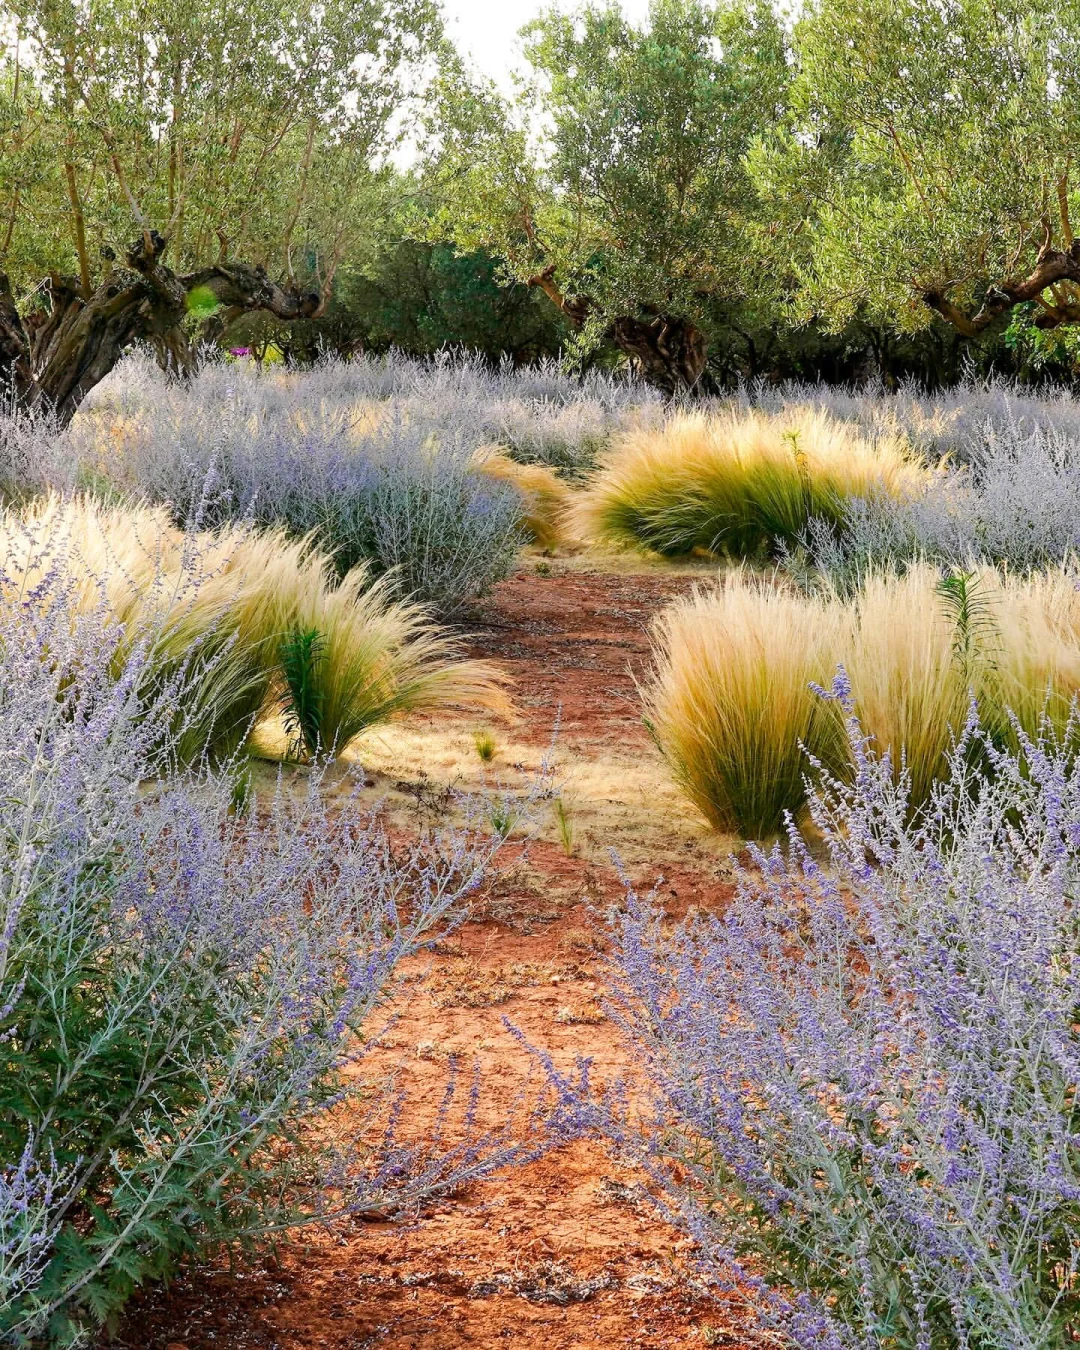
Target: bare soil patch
[567,1250]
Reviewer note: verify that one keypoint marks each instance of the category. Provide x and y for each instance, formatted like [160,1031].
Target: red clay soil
[577,641]
[567,1251]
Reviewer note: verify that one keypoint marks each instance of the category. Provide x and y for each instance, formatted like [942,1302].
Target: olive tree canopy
[617,181]
[188,158]
[930,161]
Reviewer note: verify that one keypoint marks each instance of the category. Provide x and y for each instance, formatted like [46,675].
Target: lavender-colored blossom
[186,985]
[376,456]
[958,422]
[865,1071]
[1016,503]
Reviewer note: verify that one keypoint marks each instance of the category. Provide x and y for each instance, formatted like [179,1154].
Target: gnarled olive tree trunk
[1056,271]
[668,351]
[55,356]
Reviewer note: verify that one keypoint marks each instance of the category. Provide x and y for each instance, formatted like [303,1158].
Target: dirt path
[567,1249]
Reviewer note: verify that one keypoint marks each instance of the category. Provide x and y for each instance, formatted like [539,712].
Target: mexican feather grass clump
[258,622]
[737,483]
[546,498]
[730,700]
[733,701]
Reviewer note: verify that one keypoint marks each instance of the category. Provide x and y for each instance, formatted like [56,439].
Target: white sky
[487,29]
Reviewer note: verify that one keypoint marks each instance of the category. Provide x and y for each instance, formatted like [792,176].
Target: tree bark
[1052,267]
[55,357]
[577,308]
[667,351]
[670,352]
[16,371]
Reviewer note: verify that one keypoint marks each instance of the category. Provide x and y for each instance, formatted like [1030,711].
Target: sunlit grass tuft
[383,657]
[485,746]
[909,681]
[225,609]
[547,498]
[564,824]
[729,700]
[738,483]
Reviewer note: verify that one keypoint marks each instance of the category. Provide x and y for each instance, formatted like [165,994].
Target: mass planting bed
[323,698]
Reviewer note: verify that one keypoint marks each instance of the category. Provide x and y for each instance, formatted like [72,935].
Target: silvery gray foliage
[1016,503]
[448,533]
[864,1069]
[34,456]
[189,982]
[1026,491]
[539,413]
[958,421]
[376,456]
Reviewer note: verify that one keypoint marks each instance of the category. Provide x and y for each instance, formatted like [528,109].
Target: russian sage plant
[386,485]
[378,457]
[864,1072]
[957,421]
[1016,503]
[188,976]
[447,532]
[34,457]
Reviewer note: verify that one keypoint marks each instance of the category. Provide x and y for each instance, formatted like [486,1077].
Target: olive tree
[616,180]
[929,164]
[187,160]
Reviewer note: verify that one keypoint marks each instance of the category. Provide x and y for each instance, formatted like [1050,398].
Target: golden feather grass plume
[736,482]
[219,605]
[729,701]
[547,498]
[899,653]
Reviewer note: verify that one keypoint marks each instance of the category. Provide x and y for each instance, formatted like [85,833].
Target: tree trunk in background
[667,351]
[56,356]
[577,308]
[1054,268]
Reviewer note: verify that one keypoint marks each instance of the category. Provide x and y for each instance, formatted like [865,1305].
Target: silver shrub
[33,452]
[1017,503]
[959,422]
[376,455]
[190,980]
